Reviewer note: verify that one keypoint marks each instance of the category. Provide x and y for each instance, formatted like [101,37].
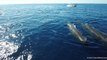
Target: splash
[29,57]
[7,48]
[8,41]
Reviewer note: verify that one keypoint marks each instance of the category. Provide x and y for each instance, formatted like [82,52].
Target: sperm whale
[76,33]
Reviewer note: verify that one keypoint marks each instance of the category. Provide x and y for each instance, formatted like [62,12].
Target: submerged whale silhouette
[95,33]
[76,33]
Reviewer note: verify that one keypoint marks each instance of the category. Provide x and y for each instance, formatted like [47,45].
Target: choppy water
[40,32]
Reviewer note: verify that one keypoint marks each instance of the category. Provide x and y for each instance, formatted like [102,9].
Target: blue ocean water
[40,31]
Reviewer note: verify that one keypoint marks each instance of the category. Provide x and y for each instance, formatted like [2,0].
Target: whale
[96,33]
[76,33]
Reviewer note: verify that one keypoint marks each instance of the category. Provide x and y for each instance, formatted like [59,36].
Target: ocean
[40,31]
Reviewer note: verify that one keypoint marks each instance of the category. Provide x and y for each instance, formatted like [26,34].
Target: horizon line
[51,3]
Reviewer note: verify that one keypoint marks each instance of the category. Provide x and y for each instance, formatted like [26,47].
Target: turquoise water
[40,31]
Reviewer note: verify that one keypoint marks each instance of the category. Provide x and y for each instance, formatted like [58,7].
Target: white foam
[14,35]
[29,57]
[21,57]
[7,48]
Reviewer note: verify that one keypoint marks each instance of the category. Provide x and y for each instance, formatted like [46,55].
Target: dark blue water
[40,32]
